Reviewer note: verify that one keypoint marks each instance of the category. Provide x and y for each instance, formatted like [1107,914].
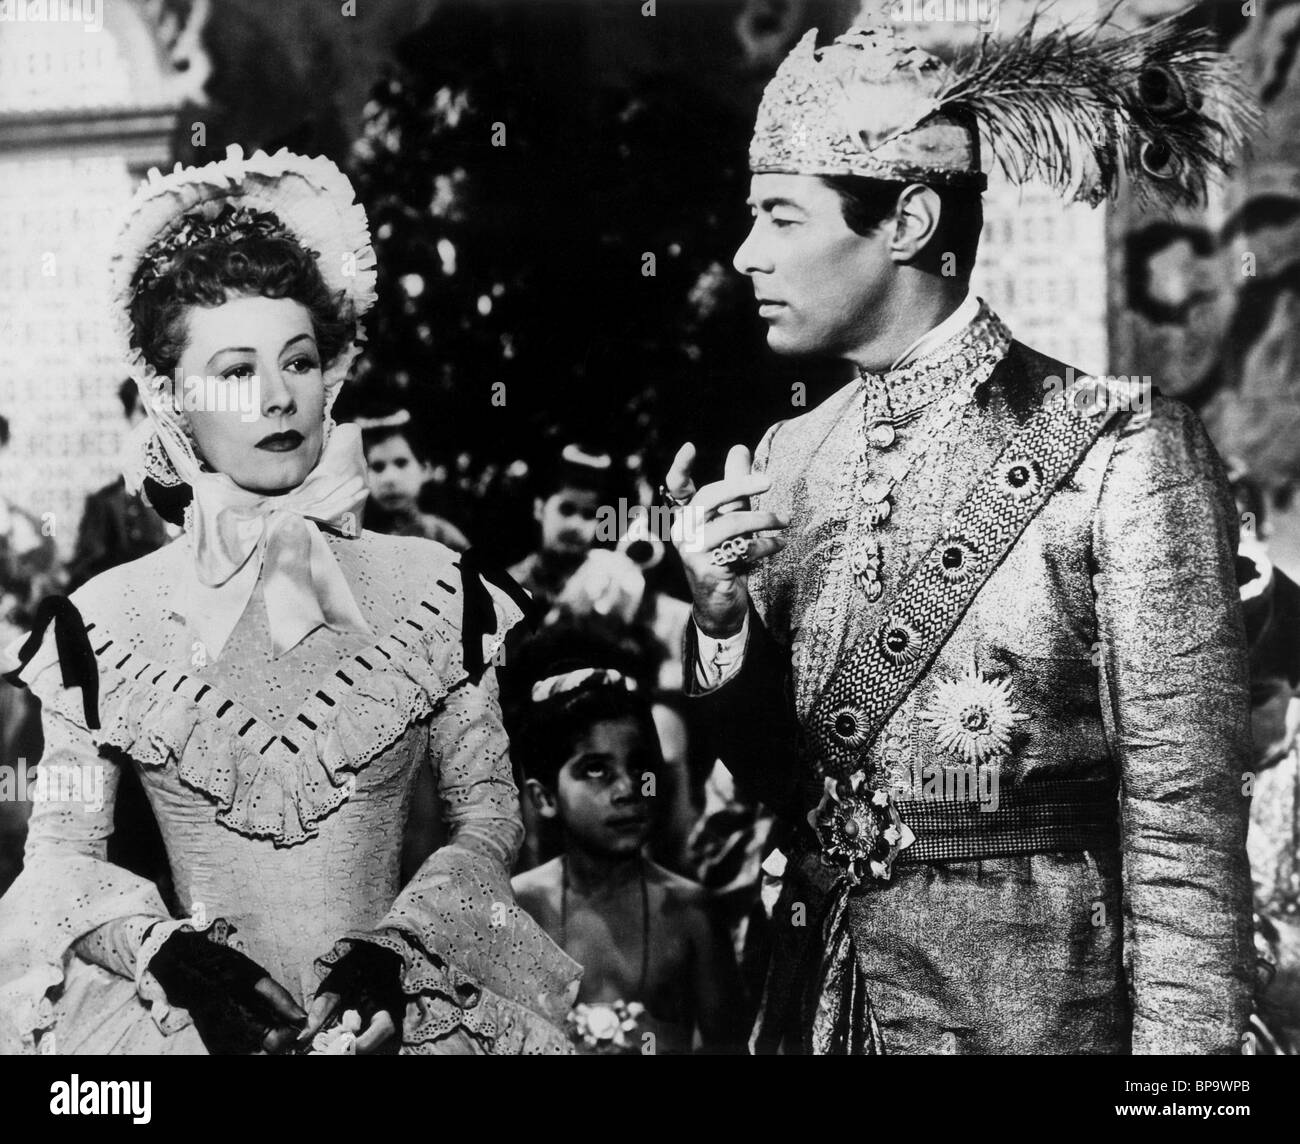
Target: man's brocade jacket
[1112,632]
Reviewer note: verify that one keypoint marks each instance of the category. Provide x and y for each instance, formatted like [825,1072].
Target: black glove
[368,978]
[218,986]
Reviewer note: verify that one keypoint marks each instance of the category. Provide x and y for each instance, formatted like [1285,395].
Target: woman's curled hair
[240,253]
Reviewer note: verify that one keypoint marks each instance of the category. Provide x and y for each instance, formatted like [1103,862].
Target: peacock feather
[1076,110]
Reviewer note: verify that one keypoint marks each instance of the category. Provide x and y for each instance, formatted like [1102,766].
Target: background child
[397,467]
[570,490]
[658,969]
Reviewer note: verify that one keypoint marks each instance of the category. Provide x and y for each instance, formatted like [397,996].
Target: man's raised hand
[717,514]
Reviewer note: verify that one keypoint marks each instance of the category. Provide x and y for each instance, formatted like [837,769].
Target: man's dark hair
[211,272]
[4,432]
[867,203]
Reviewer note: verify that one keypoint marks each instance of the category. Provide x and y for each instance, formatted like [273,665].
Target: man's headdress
[1066,107]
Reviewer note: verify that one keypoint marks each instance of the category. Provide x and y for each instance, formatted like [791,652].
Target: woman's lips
[281,442]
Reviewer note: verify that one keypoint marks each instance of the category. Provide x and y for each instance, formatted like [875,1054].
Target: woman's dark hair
[4,432]
[866,203]
[236,261]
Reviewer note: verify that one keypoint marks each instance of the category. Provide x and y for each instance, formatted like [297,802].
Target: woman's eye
[302,364]
[782,223]
[239,372]
[596,771]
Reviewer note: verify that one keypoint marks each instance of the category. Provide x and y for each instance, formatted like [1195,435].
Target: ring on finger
[671,501]
[730,552]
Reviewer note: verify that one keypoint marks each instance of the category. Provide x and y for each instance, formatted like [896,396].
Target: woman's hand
[368,978]
[235,1004]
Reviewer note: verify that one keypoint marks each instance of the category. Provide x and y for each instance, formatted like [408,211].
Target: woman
[276,677]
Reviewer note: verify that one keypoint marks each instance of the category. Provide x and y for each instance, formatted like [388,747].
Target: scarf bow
[241,536]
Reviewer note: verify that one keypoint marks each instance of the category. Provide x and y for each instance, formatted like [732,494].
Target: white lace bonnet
[314,202]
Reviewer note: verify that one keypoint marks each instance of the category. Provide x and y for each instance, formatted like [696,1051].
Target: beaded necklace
[975,352]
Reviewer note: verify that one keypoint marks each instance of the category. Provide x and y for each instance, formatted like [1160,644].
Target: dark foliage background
[528,264]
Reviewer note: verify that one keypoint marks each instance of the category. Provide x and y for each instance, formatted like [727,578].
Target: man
[1000,637]
[116,526]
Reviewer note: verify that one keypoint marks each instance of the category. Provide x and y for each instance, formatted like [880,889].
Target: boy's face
[600,795]
[568,520]
[395,474]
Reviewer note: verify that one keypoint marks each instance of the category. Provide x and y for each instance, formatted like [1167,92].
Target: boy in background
[397,468]
[659,974]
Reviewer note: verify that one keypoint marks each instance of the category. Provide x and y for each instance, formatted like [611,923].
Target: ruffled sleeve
[478,968]
[67,888]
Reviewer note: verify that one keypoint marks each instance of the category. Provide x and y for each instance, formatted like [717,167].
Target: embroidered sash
[867,687]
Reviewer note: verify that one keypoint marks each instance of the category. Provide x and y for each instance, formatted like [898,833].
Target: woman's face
[254,392]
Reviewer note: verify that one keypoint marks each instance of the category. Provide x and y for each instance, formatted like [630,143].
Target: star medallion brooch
[974,716]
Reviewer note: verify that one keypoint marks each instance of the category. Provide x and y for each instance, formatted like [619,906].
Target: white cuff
[717,660]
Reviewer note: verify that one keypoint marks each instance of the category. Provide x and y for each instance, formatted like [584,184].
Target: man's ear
[542,798]
[916,218]
[539,506]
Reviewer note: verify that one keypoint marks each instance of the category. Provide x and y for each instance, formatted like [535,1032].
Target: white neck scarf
[239,537]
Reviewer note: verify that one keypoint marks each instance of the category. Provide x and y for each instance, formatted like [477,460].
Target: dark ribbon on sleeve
[76,656]
[480,614]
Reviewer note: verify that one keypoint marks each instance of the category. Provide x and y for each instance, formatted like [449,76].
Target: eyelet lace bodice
[282,786]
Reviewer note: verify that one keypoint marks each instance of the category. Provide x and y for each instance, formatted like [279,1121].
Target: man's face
[568,520]
[395,474]
[818,284]
[600,791]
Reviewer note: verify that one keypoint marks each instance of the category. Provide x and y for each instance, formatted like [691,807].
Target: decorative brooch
[860,831]
[974,716]
[605,1027]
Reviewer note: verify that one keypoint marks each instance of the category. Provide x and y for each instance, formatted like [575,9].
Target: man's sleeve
[741,687]
[1175,674]
[748,720]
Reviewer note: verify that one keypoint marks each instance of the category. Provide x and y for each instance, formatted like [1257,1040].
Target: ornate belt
[1035,818]
[864,832]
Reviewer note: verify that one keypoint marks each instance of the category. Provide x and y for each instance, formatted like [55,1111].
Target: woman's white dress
[281,787]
